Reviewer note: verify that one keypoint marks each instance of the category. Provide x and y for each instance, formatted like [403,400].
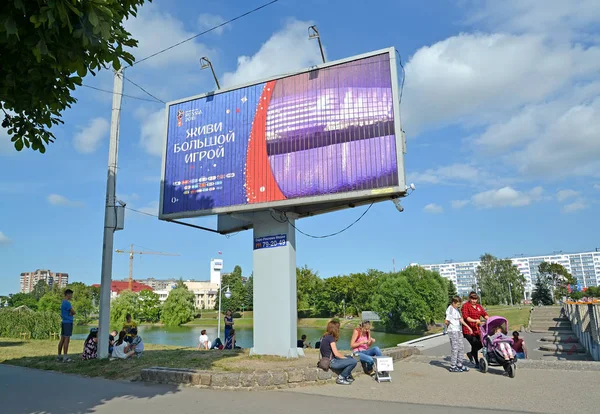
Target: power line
[284,218]
[204,32]
[122,94]
[143,90]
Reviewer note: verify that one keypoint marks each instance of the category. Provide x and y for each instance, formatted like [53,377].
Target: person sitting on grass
[204,343]
[122,350]
[519,346]
[90,346]
[136,343]
[301,343]
[128,326]
[111,341]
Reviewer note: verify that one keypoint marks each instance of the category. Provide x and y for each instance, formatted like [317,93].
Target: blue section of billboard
[268,242]
[207,142]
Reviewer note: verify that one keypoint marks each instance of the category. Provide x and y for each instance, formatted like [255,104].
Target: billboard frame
[329,202]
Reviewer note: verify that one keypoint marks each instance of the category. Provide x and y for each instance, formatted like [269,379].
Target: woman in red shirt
[472,313]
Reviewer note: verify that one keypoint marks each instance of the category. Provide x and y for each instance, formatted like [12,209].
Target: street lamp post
[227,295]
[510,293]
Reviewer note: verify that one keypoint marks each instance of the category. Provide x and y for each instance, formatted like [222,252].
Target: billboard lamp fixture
[398,205]
[313,33]
[205,64]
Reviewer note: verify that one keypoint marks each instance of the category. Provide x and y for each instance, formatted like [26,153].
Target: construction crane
[131,253]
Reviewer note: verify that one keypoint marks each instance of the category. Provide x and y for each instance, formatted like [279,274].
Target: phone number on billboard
[270,241]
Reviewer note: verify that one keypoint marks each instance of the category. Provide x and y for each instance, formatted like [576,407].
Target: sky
[501,108]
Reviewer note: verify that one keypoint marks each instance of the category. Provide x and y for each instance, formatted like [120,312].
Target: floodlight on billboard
[327,136]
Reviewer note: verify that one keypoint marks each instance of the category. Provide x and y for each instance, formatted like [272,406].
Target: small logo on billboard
[195,186]
[180,115]
[195,180]
[202,185]
[177,183]
[204,190]
[212,178]
[202,179]
[187,187]
[185,182]
[211,184]
[218,182]
[221,176]
[230,175]
[211,189]
[186,192]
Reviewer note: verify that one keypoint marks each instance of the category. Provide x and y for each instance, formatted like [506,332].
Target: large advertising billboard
[329,133]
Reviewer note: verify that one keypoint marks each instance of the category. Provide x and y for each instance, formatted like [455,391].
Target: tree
[40,289]
[498,279]
[149,306]
[541,292]
[47,48]
[82,302]
[360,291]
[22,299]
[126,302]
[250,293]
[308,284]
[51,301]
[431,289]
[332,295]
[593,291]
[234,281]
[179,306]
[451,291]
[558,277]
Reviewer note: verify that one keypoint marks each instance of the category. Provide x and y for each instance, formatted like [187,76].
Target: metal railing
[585,319]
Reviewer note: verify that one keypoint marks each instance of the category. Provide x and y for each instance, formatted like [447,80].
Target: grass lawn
[41,354]
[516,317]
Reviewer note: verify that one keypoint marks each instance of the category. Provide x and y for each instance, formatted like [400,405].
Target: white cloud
[577,205]
[89,138]
[207,21]
[459,203]
[477,75]
[152,137]
[433,208]
[566,194]
[156,30]
[4,239]
[447,174]
[58,200]
[285,51]
[506,197]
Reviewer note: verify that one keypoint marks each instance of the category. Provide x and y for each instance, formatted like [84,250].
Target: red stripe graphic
[260,183]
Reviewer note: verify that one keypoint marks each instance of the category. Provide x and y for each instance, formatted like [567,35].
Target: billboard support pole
[205,64]
[274,275]
[313,33]
[110,217]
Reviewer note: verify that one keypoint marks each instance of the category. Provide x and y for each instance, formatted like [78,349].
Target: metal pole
[219,314]
[321,49]
[510,293]
[110,217]
[131,268]
[215,76]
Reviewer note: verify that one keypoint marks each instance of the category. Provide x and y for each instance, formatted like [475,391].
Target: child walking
[453,321]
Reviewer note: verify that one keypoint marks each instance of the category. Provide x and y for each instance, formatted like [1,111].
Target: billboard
[326,135]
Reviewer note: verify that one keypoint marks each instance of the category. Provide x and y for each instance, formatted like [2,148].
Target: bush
[306,313]
[39,324]
[236,315]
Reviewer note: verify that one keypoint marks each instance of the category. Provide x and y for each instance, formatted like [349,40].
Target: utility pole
[510,293]
[110,216]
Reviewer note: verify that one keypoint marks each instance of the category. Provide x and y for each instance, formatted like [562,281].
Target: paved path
[426,379]
[24,391]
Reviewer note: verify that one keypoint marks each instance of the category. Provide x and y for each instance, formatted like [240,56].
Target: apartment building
[28,280]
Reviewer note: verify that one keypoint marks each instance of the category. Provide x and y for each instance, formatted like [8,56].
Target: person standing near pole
[228,323]
[67,312]
[453,321]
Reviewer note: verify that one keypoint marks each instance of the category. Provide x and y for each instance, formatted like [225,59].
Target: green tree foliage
[333,295]
[238,291]
[179,306]
[20,299]
[360,292]
[451,291]
[497,279]
[126,302]
[58,42]
[250,293]
[82,302]
[558,277]
[541,292]
[149,306]
[39,324]
[308,285]
[40,289]
[592,292]
[51,301]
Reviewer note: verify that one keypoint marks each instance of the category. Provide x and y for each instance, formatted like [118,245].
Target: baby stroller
[492,355]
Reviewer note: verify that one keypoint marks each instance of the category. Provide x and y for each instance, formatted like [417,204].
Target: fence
[585,319]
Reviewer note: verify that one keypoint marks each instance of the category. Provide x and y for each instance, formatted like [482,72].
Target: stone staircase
[558,336]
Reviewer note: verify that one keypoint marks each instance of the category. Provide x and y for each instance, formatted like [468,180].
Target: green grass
[41,354]
[516,317]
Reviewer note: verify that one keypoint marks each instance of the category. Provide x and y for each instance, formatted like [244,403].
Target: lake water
[188,336]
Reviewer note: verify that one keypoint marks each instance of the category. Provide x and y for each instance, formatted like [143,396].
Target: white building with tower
[584,266]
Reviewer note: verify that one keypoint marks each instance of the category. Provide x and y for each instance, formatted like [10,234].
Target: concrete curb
[258,380]
[421,339]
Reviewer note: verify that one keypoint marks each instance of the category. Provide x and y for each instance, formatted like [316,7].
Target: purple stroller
[492,355]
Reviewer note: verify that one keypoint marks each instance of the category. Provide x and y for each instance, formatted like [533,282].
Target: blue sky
[501,109]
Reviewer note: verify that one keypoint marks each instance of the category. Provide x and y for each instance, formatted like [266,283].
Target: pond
[188,336]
